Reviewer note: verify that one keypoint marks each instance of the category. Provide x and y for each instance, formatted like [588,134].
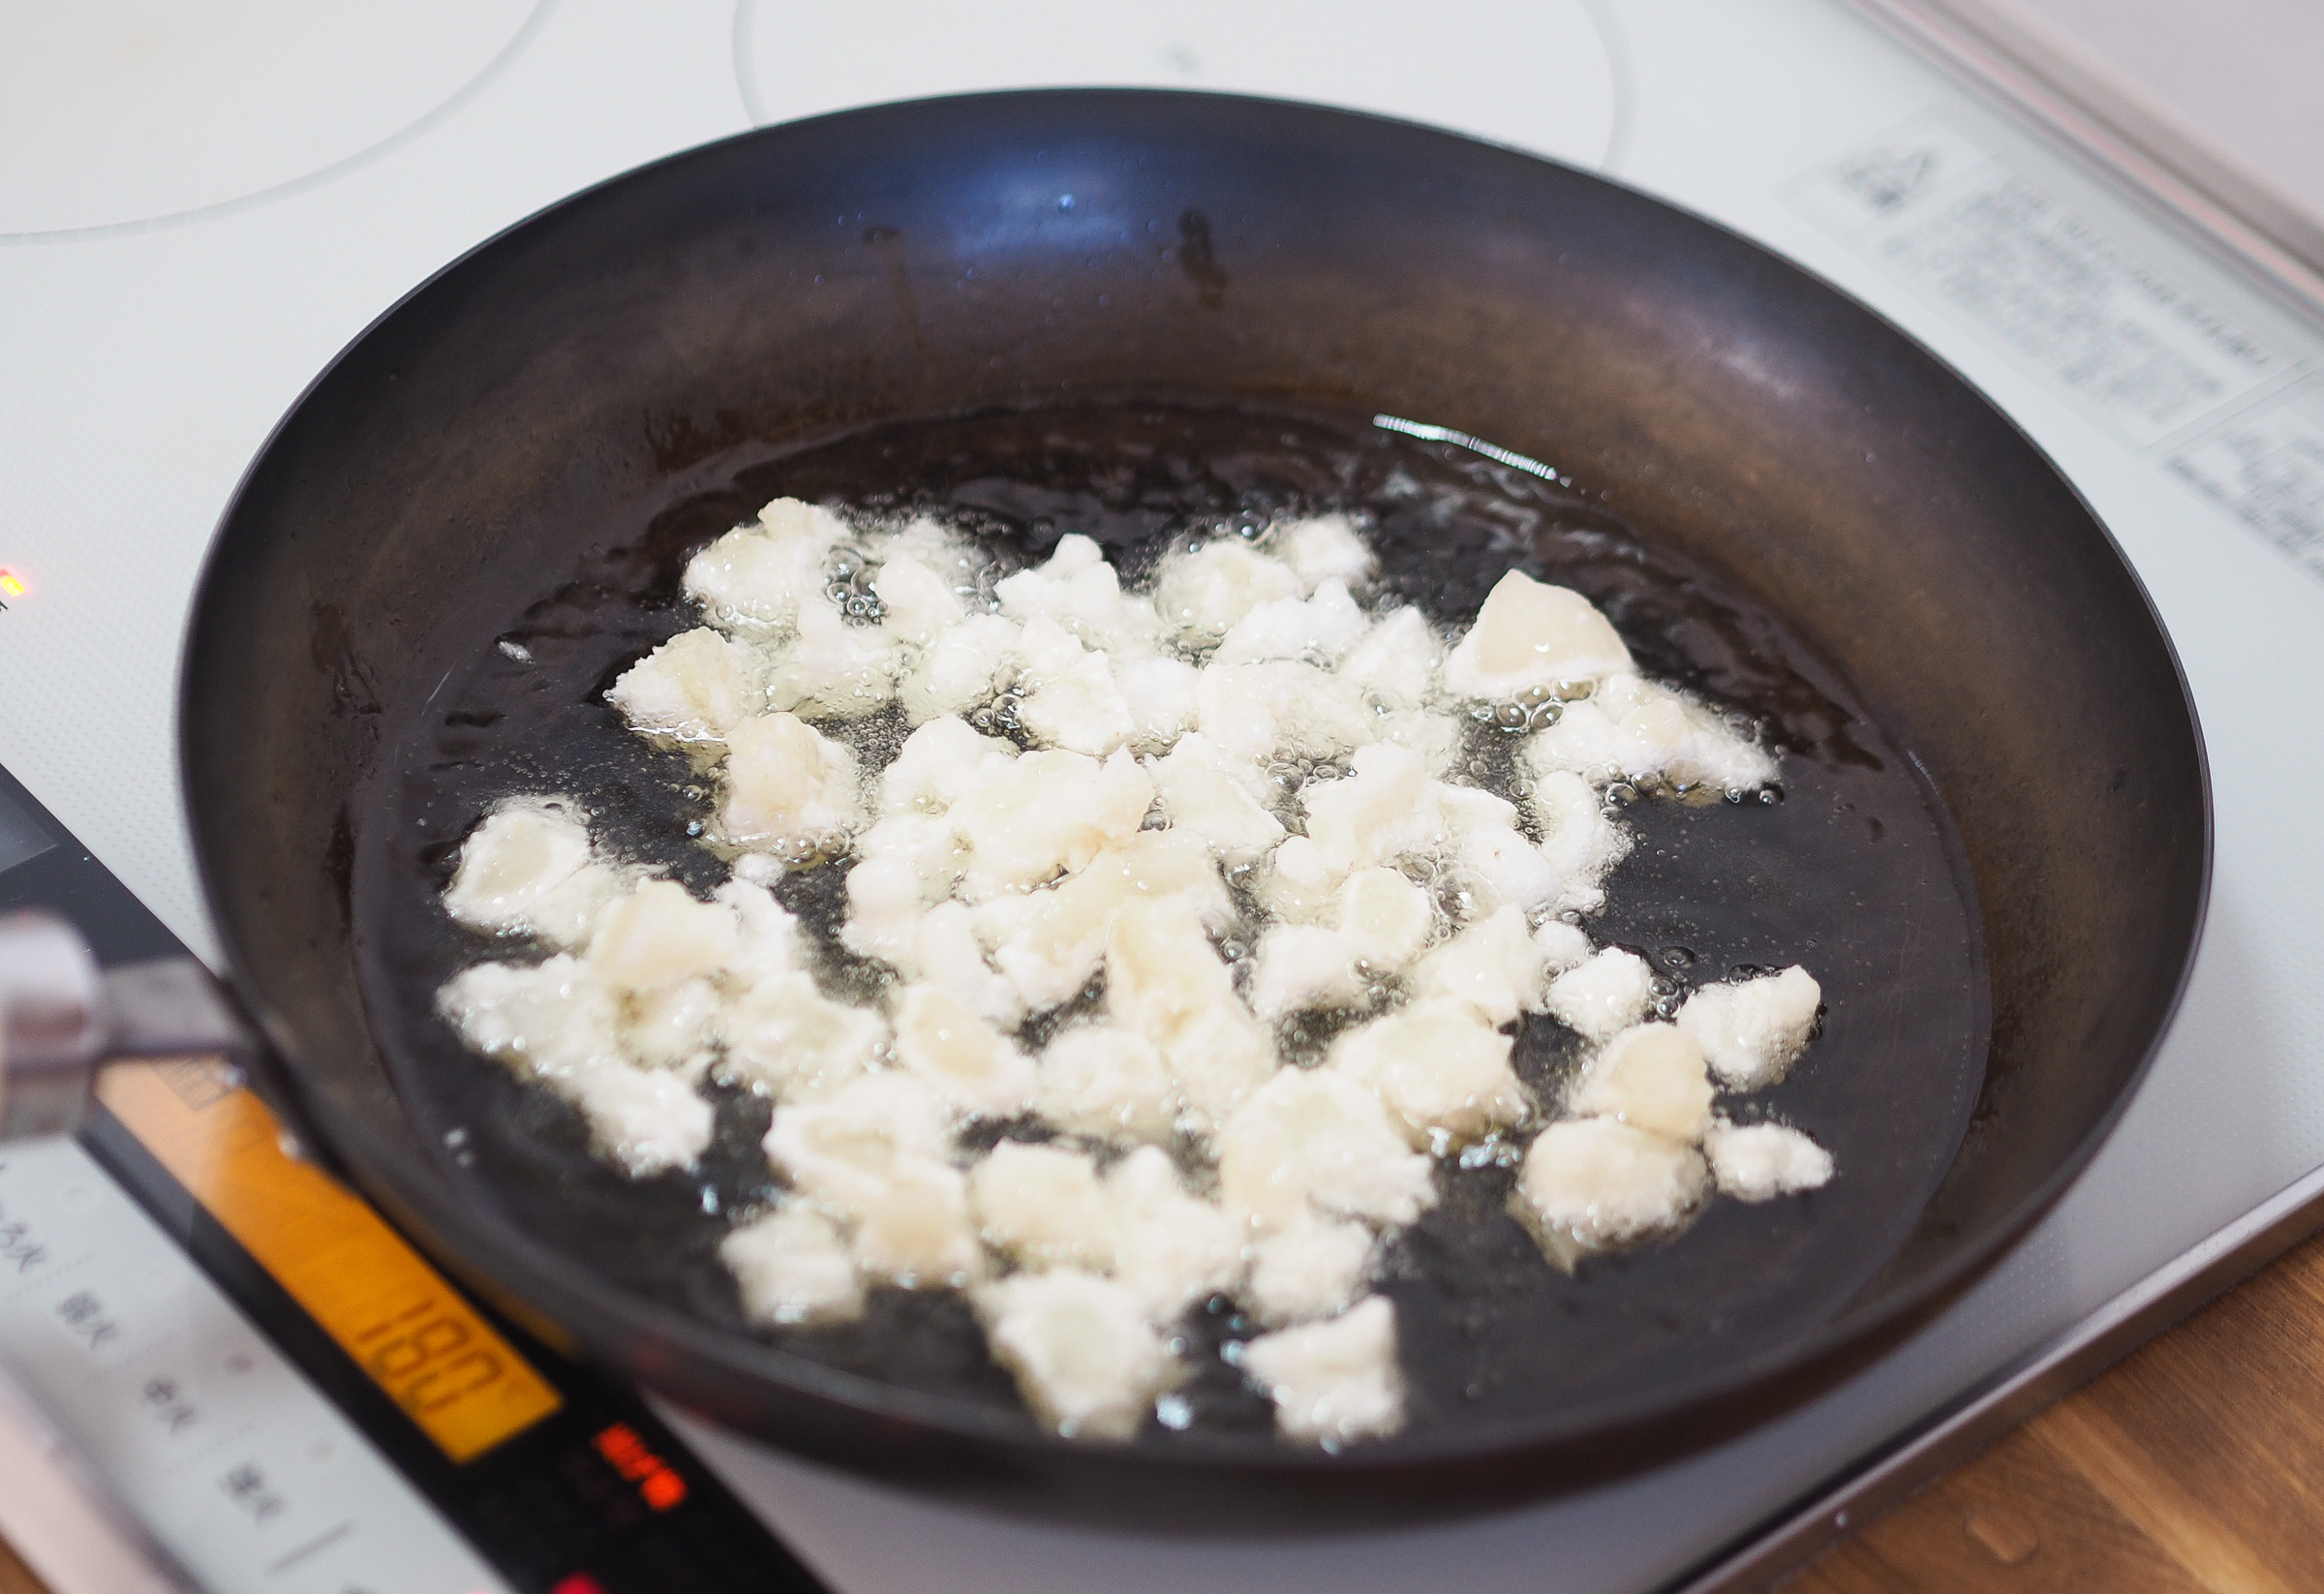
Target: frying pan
[508,421]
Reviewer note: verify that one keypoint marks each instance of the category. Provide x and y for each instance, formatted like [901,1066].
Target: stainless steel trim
[61,1018]
[51,1024]
[170,1007]
[2188,185]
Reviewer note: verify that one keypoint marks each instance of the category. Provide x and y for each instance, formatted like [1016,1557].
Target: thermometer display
[450,1371]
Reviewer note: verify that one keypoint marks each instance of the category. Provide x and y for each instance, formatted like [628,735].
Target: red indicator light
[657,1484]
[580,1583]
[12,585]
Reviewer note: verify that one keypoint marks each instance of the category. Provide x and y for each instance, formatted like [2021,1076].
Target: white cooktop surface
[200,207]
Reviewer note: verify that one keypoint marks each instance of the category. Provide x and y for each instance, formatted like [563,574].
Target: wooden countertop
[2195,1466]
[15,1577]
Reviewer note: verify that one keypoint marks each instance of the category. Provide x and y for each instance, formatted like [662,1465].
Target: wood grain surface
[2196,1466]
[15,1577]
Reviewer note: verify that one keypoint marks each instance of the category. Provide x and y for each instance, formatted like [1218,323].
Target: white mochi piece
[694,687]
[1530,634]
[673,1027]
[1215,797]
[1440,1069]
[924,843]
[1383,811]
[965,1060]
[1049,813]
[1300,885]
[1760,1161]
[833,670]
[757,869]
[1203,592]
[539,1019]
[885,902]
[1385,918]
[1592,1185]
[528,869]
[1320,630]
[1634,727]
[1042,1206]
[918,603]
[659,935]
[1435,737]
[947,954]
[914,1229]
[1751,1031]
[919,840]
[1495,967]
[1311,1268]
[1335,1381]
[1083,1355]
[957,672]
[1071,699]
[1165,981]
[1395,662]
[843,1150]
[566,916]
[1301,967]
[887,906]
[648,1120]
[1316,1136]
[905,864]
[1325,548]
[1218,1057]
[1078,591]
[1106,1082]
[1472,808]
[1051,943]
[1235,709]
[1588,741]
[757,578]
[1381,922]
[1580,840]
[929,541]
[1562,946]
[1650,1076]
[1496,867]
[790,790]
[1170,1248]
[788,1039]
[767,940]
[1161,969]
[1160,694]
[792,1268]
[1600,999]
[940,763]
[1286,708]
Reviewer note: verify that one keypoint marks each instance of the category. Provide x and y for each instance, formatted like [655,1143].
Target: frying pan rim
[381,1168]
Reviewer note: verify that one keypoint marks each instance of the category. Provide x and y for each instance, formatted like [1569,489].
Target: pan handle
[62,1018]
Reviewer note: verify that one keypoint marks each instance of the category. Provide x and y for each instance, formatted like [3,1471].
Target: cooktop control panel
[285,1393]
